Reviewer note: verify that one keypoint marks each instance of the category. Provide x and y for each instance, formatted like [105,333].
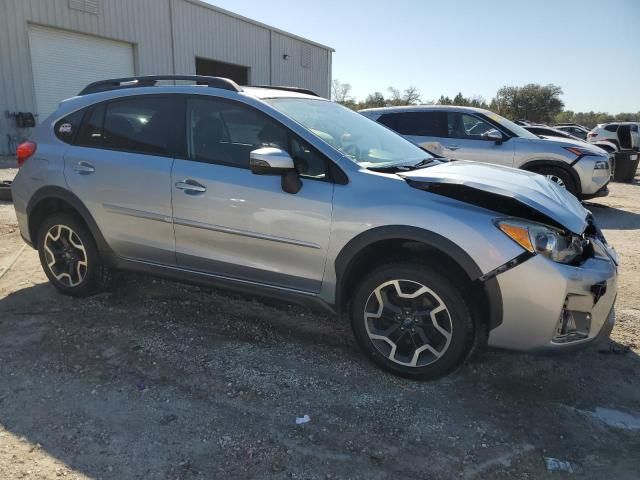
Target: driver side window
[465,126]
[225,132]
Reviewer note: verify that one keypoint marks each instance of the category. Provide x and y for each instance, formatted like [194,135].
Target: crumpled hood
[466,181]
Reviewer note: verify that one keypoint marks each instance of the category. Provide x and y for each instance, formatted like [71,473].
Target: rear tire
[5,191]
[561,177]
[69,256]
[412,321]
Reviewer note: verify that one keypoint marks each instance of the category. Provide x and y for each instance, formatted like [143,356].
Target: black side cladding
[491,201]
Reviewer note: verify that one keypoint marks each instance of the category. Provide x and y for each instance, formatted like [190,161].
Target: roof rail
[151,80]
[288,89]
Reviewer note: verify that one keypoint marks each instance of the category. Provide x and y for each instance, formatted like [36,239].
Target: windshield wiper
[391,168]
[403,167]
[424,163]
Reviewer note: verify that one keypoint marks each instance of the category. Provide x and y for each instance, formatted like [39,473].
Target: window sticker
[65,128]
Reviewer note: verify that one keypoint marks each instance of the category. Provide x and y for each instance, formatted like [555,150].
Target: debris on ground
[301,420]
[556,465]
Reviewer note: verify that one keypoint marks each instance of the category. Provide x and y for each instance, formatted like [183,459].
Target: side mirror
[270,161]
[274,161]
[493,135]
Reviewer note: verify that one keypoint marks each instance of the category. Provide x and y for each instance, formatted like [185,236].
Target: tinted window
[139,125]
[611,128]
[423,124]
[90,134]
[226,132]
[67,127]
[462,125]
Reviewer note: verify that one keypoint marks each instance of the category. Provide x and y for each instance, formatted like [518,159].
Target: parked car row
[465,133]
[277,192]
[556,132]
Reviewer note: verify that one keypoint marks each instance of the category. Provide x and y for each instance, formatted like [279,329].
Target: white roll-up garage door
[64,63]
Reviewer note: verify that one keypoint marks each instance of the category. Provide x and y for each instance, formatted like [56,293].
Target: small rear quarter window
[66,128]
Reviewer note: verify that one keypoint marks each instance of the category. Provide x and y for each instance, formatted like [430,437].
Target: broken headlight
[537,238]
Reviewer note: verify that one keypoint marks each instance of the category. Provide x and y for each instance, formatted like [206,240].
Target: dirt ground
[158,380]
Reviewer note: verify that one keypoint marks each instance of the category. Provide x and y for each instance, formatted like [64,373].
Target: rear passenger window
[611,128]
[67,128]
[422,124]
[139,125]
[91,131]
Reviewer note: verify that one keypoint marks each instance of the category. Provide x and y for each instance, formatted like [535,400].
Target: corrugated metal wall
[294,62]
[198,31]
[202,32]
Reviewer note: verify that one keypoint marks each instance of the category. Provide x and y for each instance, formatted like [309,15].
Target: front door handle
[190,186]
[452,147]
[84,168]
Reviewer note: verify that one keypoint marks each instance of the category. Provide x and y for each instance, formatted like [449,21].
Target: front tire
[412,321]
[561,177]
[69,256]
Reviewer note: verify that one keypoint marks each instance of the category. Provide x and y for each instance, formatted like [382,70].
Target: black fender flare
[535,164]
[50,192]
[344,261]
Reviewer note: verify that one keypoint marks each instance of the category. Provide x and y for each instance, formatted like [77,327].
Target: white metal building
[50,49]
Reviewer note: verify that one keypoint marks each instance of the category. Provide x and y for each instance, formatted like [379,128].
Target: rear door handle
[190,186]
[452,147]
[84,168]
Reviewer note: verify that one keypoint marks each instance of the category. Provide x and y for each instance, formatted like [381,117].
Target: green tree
[538,103]
[462,101]
[373,100]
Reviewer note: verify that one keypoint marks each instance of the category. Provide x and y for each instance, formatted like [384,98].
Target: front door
[120,167]
[465,141]
[233,223]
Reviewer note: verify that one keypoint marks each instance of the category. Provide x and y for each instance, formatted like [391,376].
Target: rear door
[120,167]
[232,223]
[425,128]
[465,141]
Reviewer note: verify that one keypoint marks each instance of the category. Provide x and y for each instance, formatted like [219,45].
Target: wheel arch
[396,242]
[49,200]
[536,165]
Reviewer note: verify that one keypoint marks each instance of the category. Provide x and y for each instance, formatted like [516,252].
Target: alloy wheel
[65,255]
[556,179]
[408,323]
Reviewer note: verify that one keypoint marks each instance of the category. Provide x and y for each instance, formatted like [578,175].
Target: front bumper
[538,294]
[593,181]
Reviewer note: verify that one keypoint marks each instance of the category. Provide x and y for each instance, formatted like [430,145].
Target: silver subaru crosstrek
[466,133]
[277,192]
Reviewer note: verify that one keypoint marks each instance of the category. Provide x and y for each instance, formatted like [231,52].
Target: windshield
[508,124]
[362,140]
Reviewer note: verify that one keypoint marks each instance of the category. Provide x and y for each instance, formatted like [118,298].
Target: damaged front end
[561,290]
[562,230]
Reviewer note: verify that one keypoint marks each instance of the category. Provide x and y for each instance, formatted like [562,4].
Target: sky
[591,48]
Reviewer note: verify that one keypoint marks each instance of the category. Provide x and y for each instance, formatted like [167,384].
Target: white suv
[626,135]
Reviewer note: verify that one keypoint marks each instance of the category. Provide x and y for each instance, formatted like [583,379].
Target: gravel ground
[155,379]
